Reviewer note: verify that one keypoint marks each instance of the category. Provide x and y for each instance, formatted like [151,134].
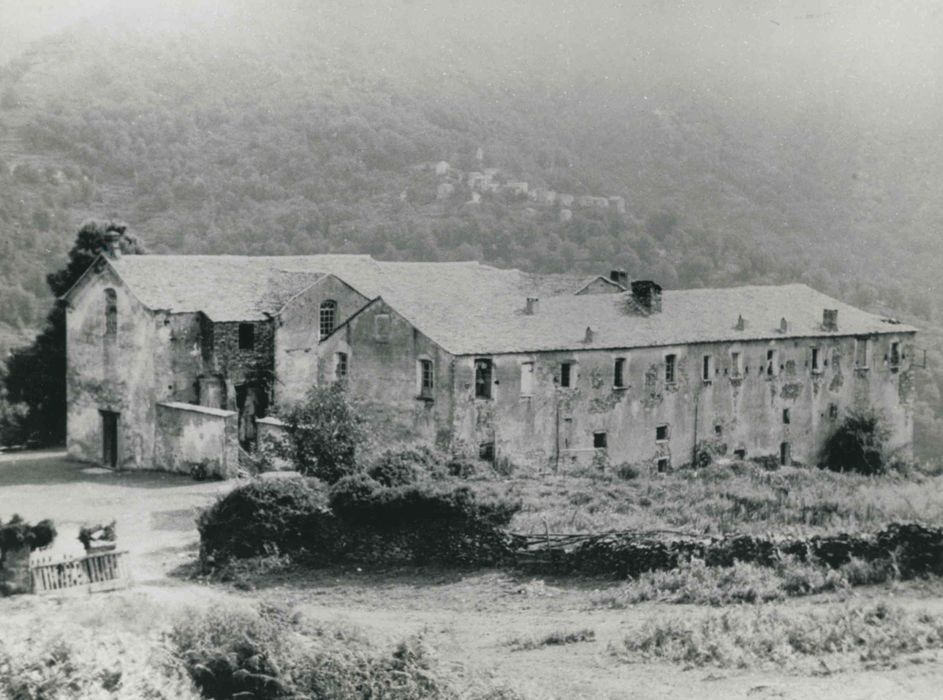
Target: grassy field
[795,631]
[738,497]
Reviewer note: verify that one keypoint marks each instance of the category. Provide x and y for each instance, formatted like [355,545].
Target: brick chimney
[620,277]
[830,319]
[531,306]
[647,294]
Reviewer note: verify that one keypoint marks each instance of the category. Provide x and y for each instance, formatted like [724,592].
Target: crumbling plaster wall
[223,358]
[748,410]
[112,375]
[297,335]
[189,435]
[383,370]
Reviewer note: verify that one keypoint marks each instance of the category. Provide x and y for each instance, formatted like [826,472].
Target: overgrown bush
[404,465]
[859,444]
[266,516]
[18,533]
[323,433]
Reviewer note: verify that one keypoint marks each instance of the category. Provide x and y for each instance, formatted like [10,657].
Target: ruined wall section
[229,365]
[190,437]
[111,373]
[554,427]
[383,354]
[297,335]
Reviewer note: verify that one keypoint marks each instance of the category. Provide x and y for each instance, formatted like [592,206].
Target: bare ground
[467,617]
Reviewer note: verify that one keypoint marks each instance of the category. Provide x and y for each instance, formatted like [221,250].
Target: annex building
[175,361]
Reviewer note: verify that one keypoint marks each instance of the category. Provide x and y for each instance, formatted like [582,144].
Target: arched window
[328,317]
[111,313]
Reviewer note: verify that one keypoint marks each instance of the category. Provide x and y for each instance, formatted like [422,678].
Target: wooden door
[109,439]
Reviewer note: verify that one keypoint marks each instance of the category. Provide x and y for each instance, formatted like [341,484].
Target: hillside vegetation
[758,152]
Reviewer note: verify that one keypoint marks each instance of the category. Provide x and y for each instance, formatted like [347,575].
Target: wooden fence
[96,571]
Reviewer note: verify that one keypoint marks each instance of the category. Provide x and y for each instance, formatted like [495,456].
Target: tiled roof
[464,323]
[469,308]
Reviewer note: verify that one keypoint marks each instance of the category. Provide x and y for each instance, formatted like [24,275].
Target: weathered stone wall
[229,365]
[383,350]
[189,435]
[298,333]
[555,426]
[112,374]
[14,571]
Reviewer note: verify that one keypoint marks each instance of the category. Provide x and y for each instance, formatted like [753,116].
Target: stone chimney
[113,244]
[531,306]
[783,325]
[741,323]
[830,319]
[590,335]
[620,277]
[647,294]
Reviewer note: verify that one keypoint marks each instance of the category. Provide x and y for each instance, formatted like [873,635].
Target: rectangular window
[772,363]
[893,358]
[484,378]
[736,364]
[600,441]
[566,374]
[833,411]
[861,353]
[661,433]
[816,360]
[246,336]
[341,366]
[740,453]
[663,464]
[707,368]
[786,416]
[527,379]
[486,451]
[426,378]
[670,361]
[618,373]
[381,328]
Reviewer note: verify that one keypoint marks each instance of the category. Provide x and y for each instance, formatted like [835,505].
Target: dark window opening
[740,453]
[426,377]
[111,313]
[816,360]
[246,336]
[328,317]
[486,451]
[566,374]
[706,369]
[770,363]
[484,376]
[833,411]
[785,454]
[661,433]
[894,355]
[663,464]
[670,361]
[600,441]
[861,353]
[342,366]
[109,439]
[618,373]
[786,416]
[718,429]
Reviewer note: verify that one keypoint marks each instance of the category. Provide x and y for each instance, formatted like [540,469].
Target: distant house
[176,361]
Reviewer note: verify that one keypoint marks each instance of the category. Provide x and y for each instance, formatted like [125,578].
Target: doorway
[109,439]
[785,454]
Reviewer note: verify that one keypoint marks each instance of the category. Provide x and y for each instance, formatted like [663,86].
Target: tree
[35,375]
[858,444]
[324,433]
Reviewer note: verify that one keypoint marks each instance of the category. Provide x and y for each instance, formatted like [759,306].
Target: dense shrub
[324,432]
[266,516]
[858,444]
[273,653]
[18,533]
[405,465]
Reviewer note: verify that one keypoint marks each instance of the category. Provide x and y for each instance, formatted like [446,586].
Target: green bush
[400,466]
[323,433]
[858,444]
[18,533]
[266,516]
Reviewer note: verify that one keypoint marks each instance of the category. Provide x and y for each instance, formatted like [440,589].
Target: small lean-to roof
[466,324]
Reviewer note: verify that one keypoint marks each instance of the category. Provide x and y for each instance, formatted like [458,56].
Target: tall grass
[737,497]
[874,635]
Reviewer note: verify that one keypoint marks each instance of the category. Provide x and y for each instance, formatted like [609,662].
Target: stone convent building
[178,360]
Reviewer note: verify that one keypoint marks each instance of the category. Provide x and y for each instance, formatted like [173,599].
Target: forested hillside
[743,153]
